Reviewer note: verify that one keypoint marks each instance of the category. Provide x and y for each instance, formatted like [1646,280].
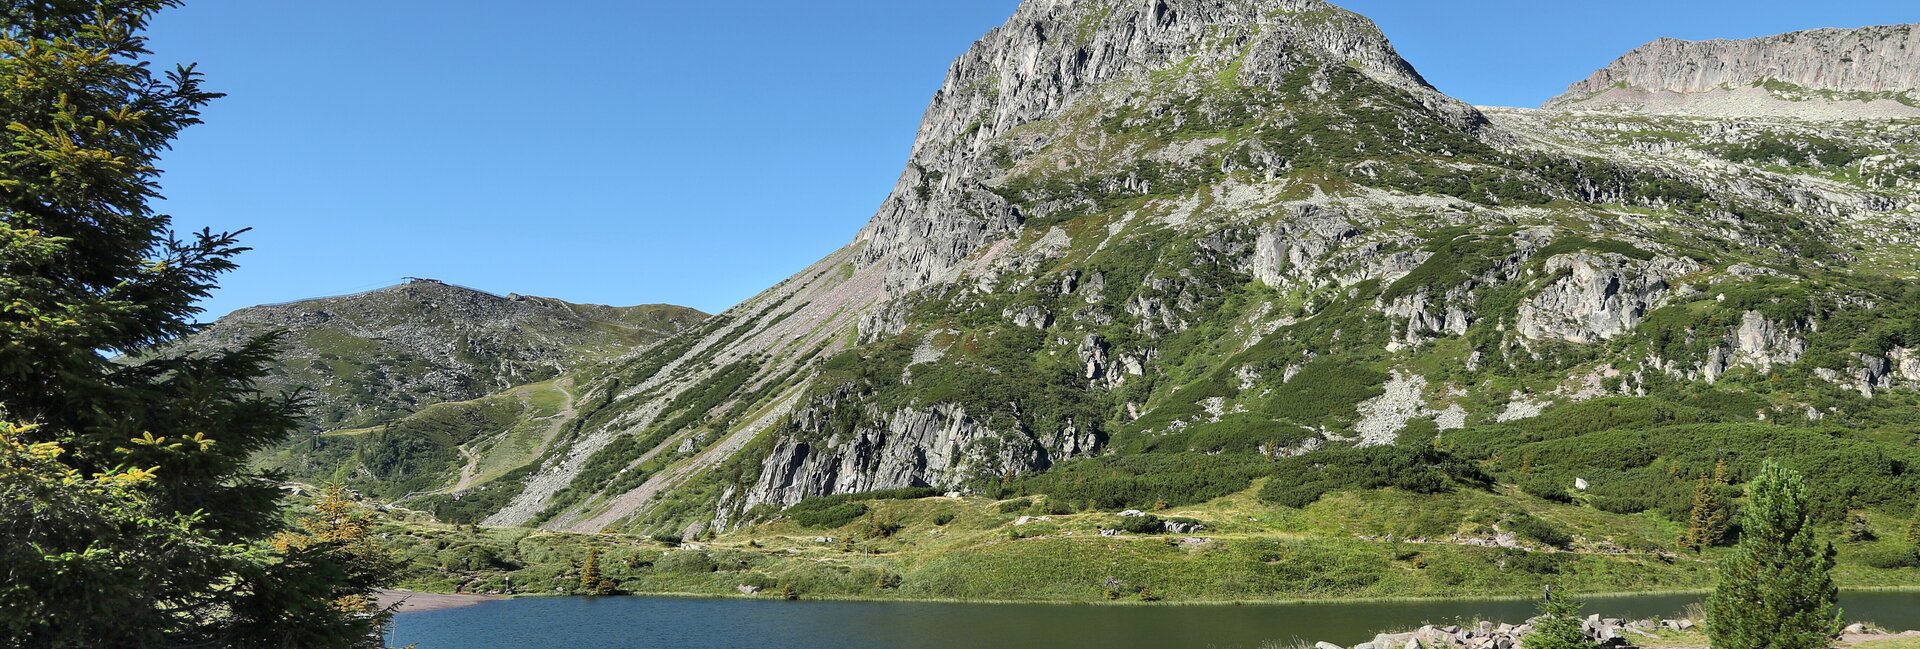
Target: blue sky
[625,152]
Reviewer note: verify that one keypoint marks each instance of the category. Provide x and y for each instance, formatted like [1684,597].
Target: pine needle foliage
[132,518]
[1776,590]
[1558,626]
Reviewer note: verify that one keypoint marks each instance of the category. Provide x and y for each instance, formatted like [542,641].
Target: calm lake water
[641,622]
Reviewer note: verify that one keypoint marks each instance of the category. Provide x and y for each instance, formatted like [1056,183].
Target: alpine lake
[650,622]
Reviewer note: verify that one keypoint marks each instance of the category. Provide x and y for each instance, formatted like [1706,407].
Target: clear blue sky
[695,153]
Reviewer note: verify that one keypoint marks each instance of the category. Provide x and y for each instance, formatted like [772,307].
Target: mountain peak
[1057,56]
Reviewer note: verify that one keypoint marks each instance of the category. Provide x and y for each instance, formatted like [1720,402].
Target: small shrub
[1015,506]
[1535,529]
[1301,481]
[942,518]
[1546,488]
[839,509]
[1890,557]
[686,562]
[1858,530]
[880,528]
[830,516]
[1031,530]
[1537,563]
[1147,524]
[1558,626]
[671,540]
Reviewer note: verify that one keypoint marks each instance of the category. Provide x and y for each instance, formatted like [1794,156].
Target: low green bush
[839,509]
[1545,487]
[834,515]
[1301,481]
[1890,556]
[686,562]
[1145,524]
[1538,530]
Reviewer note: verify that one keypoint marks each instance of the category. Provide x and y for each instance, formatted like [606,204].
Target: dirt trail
[560,418]
[467,472]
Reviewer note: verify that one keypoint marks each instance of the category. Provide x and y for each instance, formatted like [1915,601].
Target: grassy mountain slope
[369,358]
[1236,263]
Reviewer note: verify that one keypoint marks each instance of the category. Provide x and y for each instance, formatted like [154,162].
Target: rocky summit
[1870,72]
[1153,254]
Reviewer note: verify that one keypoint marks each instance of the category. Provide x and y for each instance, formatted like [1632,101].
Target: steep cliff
[1870,72]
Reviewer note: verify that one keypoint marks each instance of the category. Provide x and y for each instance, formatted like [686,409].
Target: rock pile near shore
[1608,632]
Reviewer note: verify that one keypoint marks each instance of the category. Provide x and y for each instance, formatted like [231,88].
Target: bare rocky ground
[414,602]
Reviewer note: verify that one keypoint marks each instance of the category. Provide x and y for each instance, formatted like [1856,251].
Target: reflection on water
[636,622]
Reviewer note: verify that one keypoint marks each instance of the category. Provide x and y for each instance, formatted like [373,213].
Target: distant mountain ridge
[369,357]
[1851,73]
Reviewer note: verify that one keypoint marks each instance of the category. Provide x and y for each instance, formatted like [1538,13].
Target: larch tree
[1711,515]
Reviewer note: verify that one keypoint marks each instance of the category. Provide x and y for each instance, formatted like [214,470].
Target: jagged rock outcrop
[1051,54]
[1869,374]
[1853,73]
[938,446]
[1289,252]
[1598,296]
[368,357]
[1759,343]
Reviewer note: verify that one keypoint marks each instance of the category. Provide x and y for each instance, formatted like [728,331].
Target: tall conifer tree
[130,517]
[1776,589]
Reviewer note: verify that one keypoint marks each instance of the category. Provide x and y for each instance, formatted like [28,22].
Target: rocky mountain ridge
[370,357]
[1049,57]
[1869,72]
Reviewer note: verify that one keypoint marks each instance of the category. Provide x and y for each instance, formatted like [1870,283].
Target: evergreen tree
[1776,589]
[1558,626]
[132,519]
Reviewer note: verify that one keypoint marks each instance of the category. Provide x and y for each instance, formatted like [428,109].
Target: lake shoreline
[408,601]
[771,623]
[468,599]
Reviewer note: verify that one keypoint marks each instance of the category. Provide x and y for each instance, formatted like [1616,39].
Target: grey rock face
[1883,59]
[1598,297]
[1051,54]
[1869,374]
[939,446]
[1290,252]
[1758,343]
